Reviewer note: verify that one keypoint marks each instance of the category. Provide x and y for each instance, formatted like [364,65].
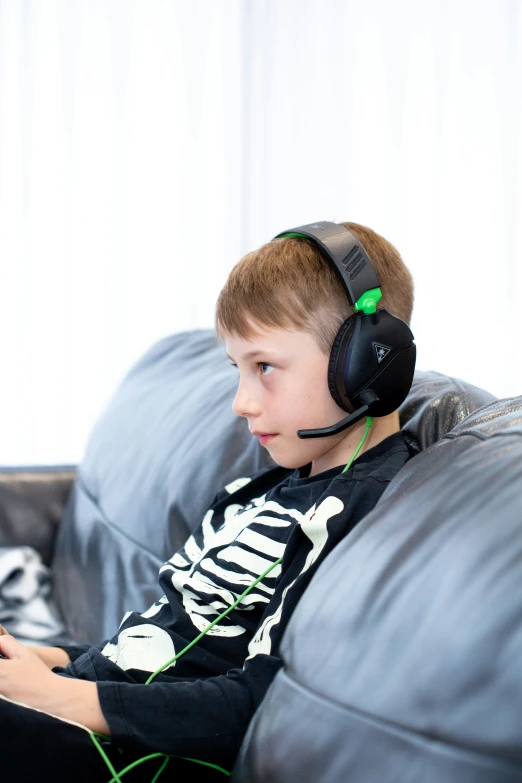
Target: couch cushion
[435,405]
[32,501]
[166,444]
[403,659]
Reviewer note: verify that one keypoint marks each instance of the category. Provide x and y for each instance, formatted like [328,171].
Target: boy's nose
[244,405]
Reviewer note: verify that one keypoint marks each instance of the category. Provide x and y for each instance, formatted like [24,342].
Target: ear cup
[372,352]
[393,382]
[338,358]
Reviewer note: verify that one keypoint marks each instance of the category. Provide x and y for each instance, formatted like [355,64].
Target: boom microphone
[368,397]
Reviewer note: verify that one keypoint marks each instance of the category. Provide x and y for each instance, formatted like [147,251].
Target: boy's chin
[290,461]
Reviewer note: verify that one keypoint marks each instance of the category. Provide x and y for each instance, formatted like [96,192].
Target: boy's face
[283,387]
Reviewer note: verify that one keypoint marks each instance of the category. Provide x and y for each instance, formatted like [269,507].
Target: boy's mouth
[264,437]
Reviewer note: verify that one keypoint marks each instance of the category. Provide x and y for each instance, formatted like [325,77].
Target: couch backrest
[403,660]
[166,444]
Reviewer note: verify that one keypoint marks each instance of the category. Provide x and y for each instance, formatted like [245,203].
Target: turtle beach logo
[381,352]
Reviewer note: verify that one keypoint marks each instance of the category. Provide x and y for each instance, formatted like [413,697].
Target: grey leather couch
[403,660]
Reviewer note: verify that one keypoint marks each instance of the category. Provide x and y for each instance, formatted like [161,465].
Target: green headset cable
[214,622]
[116,776]
[369,422]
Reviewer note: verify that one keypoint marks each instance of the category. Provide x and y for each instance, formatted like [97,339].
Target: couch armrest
[32,501]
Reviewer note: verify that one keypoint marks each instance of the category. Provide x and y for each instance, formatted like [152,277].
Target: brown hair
[288,284]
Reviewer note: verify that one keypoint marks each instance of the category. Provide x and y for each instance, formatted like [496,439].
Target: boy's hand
[26,679]
[51,656]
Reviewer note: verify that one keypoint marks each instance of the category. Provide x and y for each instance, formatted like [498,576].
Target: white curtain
[145,145]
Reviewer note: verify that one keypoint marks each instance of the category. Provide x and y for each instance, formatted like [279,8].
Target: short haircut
[288,284]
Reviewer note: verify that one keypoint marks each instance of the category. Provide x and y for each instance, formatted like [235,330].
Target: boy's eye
[265,368]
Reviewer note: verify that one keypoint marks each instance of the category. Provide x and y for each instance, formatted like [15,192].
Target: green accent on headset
[367,302]
[294,234]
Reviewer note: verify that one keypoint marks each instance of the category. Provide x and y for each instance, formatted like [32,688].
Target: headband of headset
[348,257]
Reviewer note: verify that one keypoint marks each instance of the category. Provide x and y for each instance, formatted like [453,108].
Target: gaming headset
[373,355]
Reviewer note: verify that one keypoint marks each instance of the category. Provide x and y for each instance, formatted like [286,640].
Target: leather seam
[109,523]
[398,728]
[479,435]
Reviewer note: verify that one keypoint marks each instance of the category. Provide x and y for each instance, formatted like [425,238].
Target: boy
[279,314]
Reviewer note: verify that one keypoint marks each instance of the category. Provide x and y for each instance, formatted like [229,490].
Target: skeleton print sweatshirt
[201,705]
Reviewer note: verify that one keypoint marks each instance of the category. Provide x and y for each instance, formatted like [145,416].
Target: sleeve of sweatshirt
[204,719]
[75,650]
